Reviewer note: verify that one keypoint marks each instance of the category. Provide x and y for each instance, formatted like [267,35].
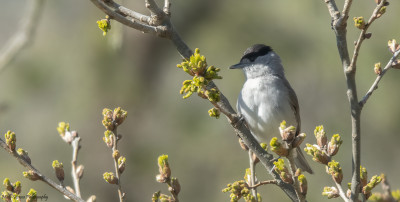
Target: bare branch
[341,192]
[154,9]
[263,183]
[43,178]
[333,10]
[127,12]
[24,36]
[121,194]
[75,178]
[378,79]
[346,9]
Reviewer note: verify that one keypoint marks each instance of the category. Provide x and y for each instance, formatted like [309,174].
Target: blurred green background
[71,72]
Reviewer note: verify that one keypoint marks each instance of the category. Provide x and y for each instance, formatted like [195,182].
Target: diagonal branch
[361,38]
[24,36]
[378,79]
[43,178]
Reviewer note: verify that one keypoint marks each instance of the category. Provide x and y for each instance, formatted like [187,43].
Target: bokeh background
[71,72]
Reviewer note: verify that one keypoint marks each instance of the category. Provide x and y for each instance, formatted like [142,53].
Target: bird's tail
[300,161]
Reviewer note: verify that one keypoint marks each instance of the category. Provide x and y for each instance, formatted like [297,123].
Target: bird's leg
[252,174]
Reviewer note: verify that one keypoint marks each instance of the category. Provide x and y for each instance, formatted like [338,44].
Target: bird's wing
[294,103]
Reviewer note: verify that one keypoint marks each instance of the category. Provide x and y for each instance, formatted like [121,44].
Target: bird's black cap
[251,54]
[255,51]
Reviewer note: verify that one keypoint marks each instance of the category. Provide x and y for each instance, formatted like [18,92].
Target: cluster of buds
[394,47]
[359,22]
[104,25]
[366,185]
[65,133]
[283,171]
[214,112]
[335,170]
[323,151]
[196,66]
[112,119]
[11,140]
[330,192]
[375,180]
[164,176]
[59,170]
[110,178]
[158,196]
[240,189]
[10,187]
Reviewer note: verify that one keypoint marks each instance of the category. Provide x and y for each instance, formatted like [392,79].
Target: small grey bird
[267,98]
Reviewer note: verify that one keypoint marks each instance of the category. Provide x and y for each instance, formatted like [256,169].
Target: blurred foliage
[71,72]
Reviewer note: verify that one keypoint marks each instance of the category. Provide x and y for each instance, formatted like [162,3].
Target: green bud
[108,119]
[31,175]
[17,187]
[278,147]
[335,170]
[31,196]
[110,178]
[303,184]
[359,22]
[121,164]
[119,115]
[164,169]
[62,128]
[104,25]
[10,140]
[317,154]
[375,180]
[6,195]
[363,176]
[175,186]
[23,154]
[377,68]
[108,138]
[330,192]
[320,135]
[381,11]
[59,169]
[396,194]
[7,184]
[214,112]
[334,144]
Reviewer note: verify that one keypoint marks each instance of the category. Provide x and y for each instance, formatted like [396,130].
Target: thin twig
[378,79]
[341,192]
[75,178]
[263,183]
[43,178]
[24,36]
[295,179]
[361,38]
[117,172]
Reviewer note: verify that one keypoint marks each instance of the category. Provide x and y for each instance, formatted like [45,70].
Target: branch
[161,26]
[361,38]
[378,79]
[43,178]
[75,178]
[24,36]
[121,194]
[263,183]
[341,192]
[295,179]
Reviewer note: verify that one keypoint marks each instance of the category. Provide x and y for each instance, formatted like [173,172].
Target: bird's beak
[237,66]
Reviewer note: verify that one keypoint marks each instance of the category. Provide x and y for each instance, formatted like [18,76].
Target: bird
[266,99]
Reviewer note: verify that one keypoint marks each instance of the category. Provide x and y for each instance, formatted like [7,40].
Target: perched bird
[267,98]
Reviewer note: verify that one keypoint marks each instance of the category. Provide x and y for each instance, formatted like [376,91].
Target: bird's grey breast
[264,104]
